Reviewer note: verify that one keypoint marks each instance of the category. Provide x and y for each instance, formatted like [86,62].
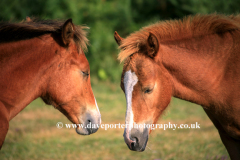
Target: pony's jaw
[87,117]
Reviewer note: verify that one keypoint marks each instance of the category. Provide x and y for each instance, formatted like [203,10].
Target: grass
[33,133]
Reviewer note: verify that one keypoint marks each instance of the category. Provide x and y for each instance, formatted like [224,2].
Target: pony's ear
[153,45]
[67,31]
[117,38]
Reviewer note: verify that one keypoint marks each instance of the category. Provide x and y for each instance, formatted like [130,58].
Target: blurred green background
[33,133]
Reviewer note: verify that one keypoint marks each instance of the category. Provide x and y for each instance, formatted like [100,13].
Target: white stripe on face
[98,109]
[130,80]
[96,105]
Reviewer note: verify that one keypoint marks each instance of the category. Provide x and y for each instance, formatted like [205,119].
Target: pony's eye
[148,90]
[85,73]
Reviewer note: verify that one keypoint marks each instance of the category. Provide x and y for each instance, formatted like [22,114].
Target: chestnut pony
[195,59]
[46,59]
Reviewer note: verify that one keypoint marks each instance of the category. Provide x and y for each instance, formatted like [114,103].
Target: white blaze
[130,80]
[98,110]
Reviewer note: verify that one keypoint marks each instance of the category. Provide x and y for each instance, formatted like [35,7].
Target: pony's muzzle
[89,125]
[137,140]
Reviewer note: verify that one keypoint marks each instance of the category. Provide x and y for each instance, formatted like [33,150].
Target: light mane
[191,26]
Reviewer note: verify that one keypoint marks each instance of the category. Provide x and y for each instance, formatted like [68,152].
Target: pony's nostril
[89,126]
[134,143]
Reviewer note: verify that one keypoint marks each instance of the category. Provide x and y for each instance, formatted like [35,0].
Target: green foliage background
[106,16]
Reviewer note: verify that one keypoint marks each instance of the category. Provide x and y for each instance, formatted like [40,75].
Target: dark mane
[191,26]
[34,27]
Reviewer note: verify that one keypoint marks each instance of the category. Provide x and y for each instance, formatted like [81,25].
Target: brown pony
[46,59]
[196,59]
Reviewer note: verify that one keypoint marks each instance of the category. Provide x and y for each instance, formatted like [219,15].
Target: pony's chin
[82,131]
[86,131]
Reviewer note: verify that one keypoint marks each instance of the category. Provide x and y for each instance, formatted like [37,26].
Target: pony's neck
[197,66]
[23,71]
